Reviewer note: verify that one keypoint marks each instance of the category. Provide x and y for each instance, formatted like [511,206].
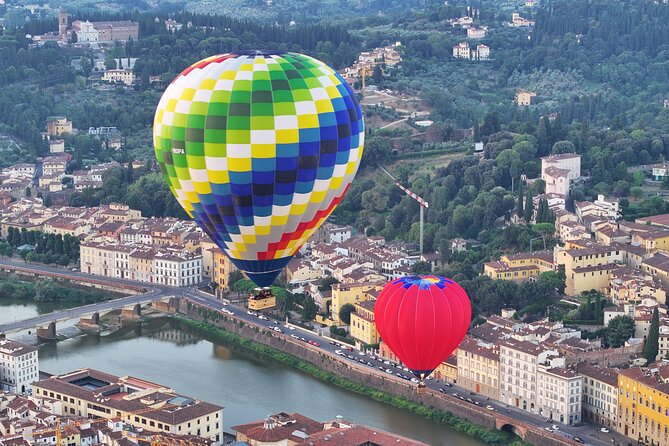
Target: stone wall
[374,378]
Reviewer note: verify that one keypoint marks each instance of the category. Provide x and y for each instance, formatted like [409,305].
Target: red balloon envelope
[422,319]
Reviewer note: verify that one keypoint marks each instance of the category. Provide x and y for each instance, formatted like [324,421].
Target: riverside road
[589,433]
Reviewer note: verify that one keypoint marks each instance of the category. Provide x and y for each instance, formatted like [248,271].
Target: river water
[250,388]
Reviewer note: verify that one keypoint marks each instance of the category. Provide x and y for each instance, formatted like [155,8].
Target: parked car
[277,329]
[604,430]
[556,427]
[489,407]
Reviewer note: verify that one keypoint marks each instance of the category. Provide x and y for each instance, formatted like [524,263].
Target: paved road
[589,433]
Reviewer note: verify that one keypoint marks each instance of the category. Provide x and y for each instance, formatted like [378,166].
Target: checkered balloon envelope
[259,148]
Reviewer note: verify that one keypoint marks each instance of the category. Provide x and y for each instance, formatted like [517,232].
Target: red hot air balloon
[422,319]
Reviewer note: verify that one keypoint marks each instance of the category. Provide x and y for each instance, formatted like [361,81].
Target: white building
[559,392]
[660,171]
[600,394]
[476,33]
[125,76]
[57,146]
[19,366]
[558,171]
[612,207]
[482,52]
[86,33]
[462,51]
[177,269]
[519,362]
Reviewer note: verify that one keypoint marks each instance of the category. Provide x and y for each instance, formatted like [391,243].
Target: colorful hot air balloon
[259,148]
[422,319]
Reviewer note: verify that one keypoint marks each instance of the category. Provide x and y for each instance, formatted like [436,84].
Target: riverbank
[220,335]
[13,287]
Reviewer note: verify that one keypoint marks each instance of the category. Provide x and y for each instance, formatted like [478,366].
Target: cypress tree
[519,205]
[529,208]
[651,347]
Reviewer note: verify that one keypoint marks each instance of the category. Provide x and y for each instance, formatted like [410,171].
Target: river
[248,387]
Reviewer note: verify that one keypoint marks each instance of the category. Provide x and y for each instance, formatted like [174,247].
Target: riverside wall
[373,378]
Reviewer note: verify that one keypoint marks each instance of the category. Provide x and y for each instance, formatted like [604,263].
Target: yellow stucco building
[347,293]
[587,266]
[520,267]
[363,328]
[220,271]
[643,404]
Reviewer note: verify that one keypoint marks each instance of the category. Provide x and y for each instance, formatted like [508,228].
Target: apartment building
[520,267]
[478,367]
[519,362]
[363,328]
[587,265]
[143,404]
[600,394]
[643,404]
[351,294]
[559,392]
[19,366]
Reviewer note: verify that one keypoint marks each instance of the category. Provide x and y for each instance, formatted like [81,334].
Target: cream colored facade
[173,267]
[363,328]
[350,294]
[478,367]
[126,76]
[519,362]
[524,98]
[600,394]
[559,394]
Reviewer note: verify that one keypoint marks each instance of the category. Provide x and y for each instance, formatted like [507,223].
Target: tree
[543,137]
[309,309]
[421,268]
[529,209]
[345,313]
[29,192]
[520,212]
[110,63]
[326,283]
[377,74]
[563,147]
[619,330]
[651,346]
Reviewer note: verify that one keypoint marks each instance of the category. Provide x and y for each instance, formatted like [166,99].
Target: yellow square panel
[188,94]
[171,105]
[208,84]
[287,136]
[317,197]
[228,74]
[249,239]
[298,209]
[263,150]
[324,106]
[202,188]
[219,176]
[279,220]
[263,230]
[307,121]
[192,197]
[239,164]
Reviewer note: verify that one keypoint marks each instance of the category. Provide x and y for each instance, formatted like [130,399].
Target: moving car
[604,430]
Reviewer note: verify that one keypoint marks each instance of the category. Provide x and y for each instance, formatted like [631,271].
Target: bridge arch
[506,424]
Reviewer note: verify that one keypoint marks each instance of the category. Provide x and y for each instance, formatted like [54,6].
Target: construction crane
[422,203]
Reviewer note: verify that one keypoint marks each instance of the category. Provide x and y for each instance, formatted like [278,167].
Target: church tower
[62,23]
